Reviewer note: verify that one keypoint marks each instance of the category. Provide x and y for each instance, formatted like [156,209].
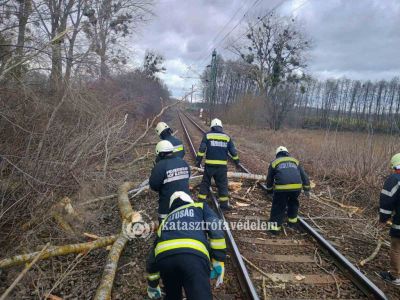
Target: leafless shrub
[353,163]
[61,145]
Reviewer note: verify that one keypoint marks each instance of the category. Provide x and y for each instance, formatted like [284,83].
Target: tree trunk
[56,66]
[70,56]
[24,10]
[103,67]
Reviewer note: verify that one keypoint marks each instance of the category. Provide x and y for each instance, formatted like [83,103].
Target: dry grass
[346,160]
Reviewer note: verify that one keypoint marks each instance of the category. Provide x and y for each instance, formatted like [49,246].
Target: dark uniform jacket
[169,175]
[216,145]
[177,143]
[191,228]
[390,203]
[285,174]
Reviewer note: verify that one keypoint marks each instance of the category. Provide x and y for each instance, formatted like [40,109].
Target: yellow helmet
[281,149]
[164,147]
[181,195]
[395,161]
[161,126]
[216,122]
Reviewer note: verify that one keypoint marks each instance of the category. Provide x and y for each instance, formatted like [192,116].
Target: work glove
[307,194]
[217,271]
[154,293]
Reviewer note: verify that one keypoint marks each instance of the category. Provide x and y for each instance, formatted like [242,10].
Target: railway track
[301,265]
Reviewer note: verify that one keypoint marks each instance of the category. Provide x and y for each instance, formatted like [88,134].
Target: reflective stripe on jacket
[215,146]
[169,175]
[178,146]
[285,174]
[192,228]
[389,203]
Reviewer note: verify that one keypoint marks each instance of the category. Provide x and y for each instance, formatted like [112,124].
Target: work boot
[386,276]
[294,226]
[225,205]
[154,292]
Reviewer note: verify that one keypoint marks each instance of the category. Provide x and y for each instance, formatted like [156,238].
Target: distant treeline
[343,103]
[350,104]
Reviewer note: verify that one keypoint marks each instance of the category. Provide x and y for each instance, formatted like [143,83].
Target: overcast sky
[353,38]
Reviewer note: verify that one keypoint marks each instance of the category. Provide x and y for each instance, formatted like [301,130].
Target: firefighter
[286,178]
[188,238]
[389,205]
[215,146]
[170,174]
[165,133]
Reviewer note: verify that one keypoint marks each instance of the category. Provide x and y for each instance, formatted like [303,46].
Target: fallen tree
[144,186]
[239,175]
[57,251]
[129,218]
[110,269]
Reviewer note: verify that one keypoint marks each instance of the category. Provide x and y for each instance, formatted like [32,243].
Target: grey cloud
[353,38]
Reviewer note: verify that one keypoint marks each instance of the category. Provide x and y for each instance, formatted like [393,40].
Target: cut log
[104,290]
[129,217]
[56,251]
[239,175]
[123,200]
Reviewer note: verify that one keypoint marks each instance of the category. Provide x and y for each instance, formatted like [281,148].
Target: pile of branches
[55,145]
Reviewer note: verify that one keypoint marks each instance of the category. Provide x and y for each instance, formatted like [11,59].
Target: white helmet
[161,126]
[181,195]
[281,149]
[216,122]
[164,147]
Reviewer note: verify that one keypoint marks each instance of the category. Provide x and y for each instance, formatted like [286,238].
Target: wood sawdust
[234,186]
[241,204]
[240,198]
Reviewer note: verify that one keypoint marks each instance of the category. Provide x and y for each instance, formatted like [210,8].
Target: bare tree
[275,48]
[24,10]
[110,20]
[53,16]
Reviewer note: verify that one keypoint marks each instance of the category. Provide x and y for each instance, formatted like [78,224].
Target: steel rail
[355,275]
[244,278]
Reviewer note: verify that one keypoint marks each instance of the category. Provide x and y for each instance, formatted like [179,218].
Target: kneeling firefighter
[389,208]
[216,145]
[170,174]
[286,178]
[165,133]
[187,239]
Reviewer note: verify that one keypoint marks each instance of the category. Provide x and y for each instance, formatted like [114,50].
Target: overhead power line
[214,45]
[268,13]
